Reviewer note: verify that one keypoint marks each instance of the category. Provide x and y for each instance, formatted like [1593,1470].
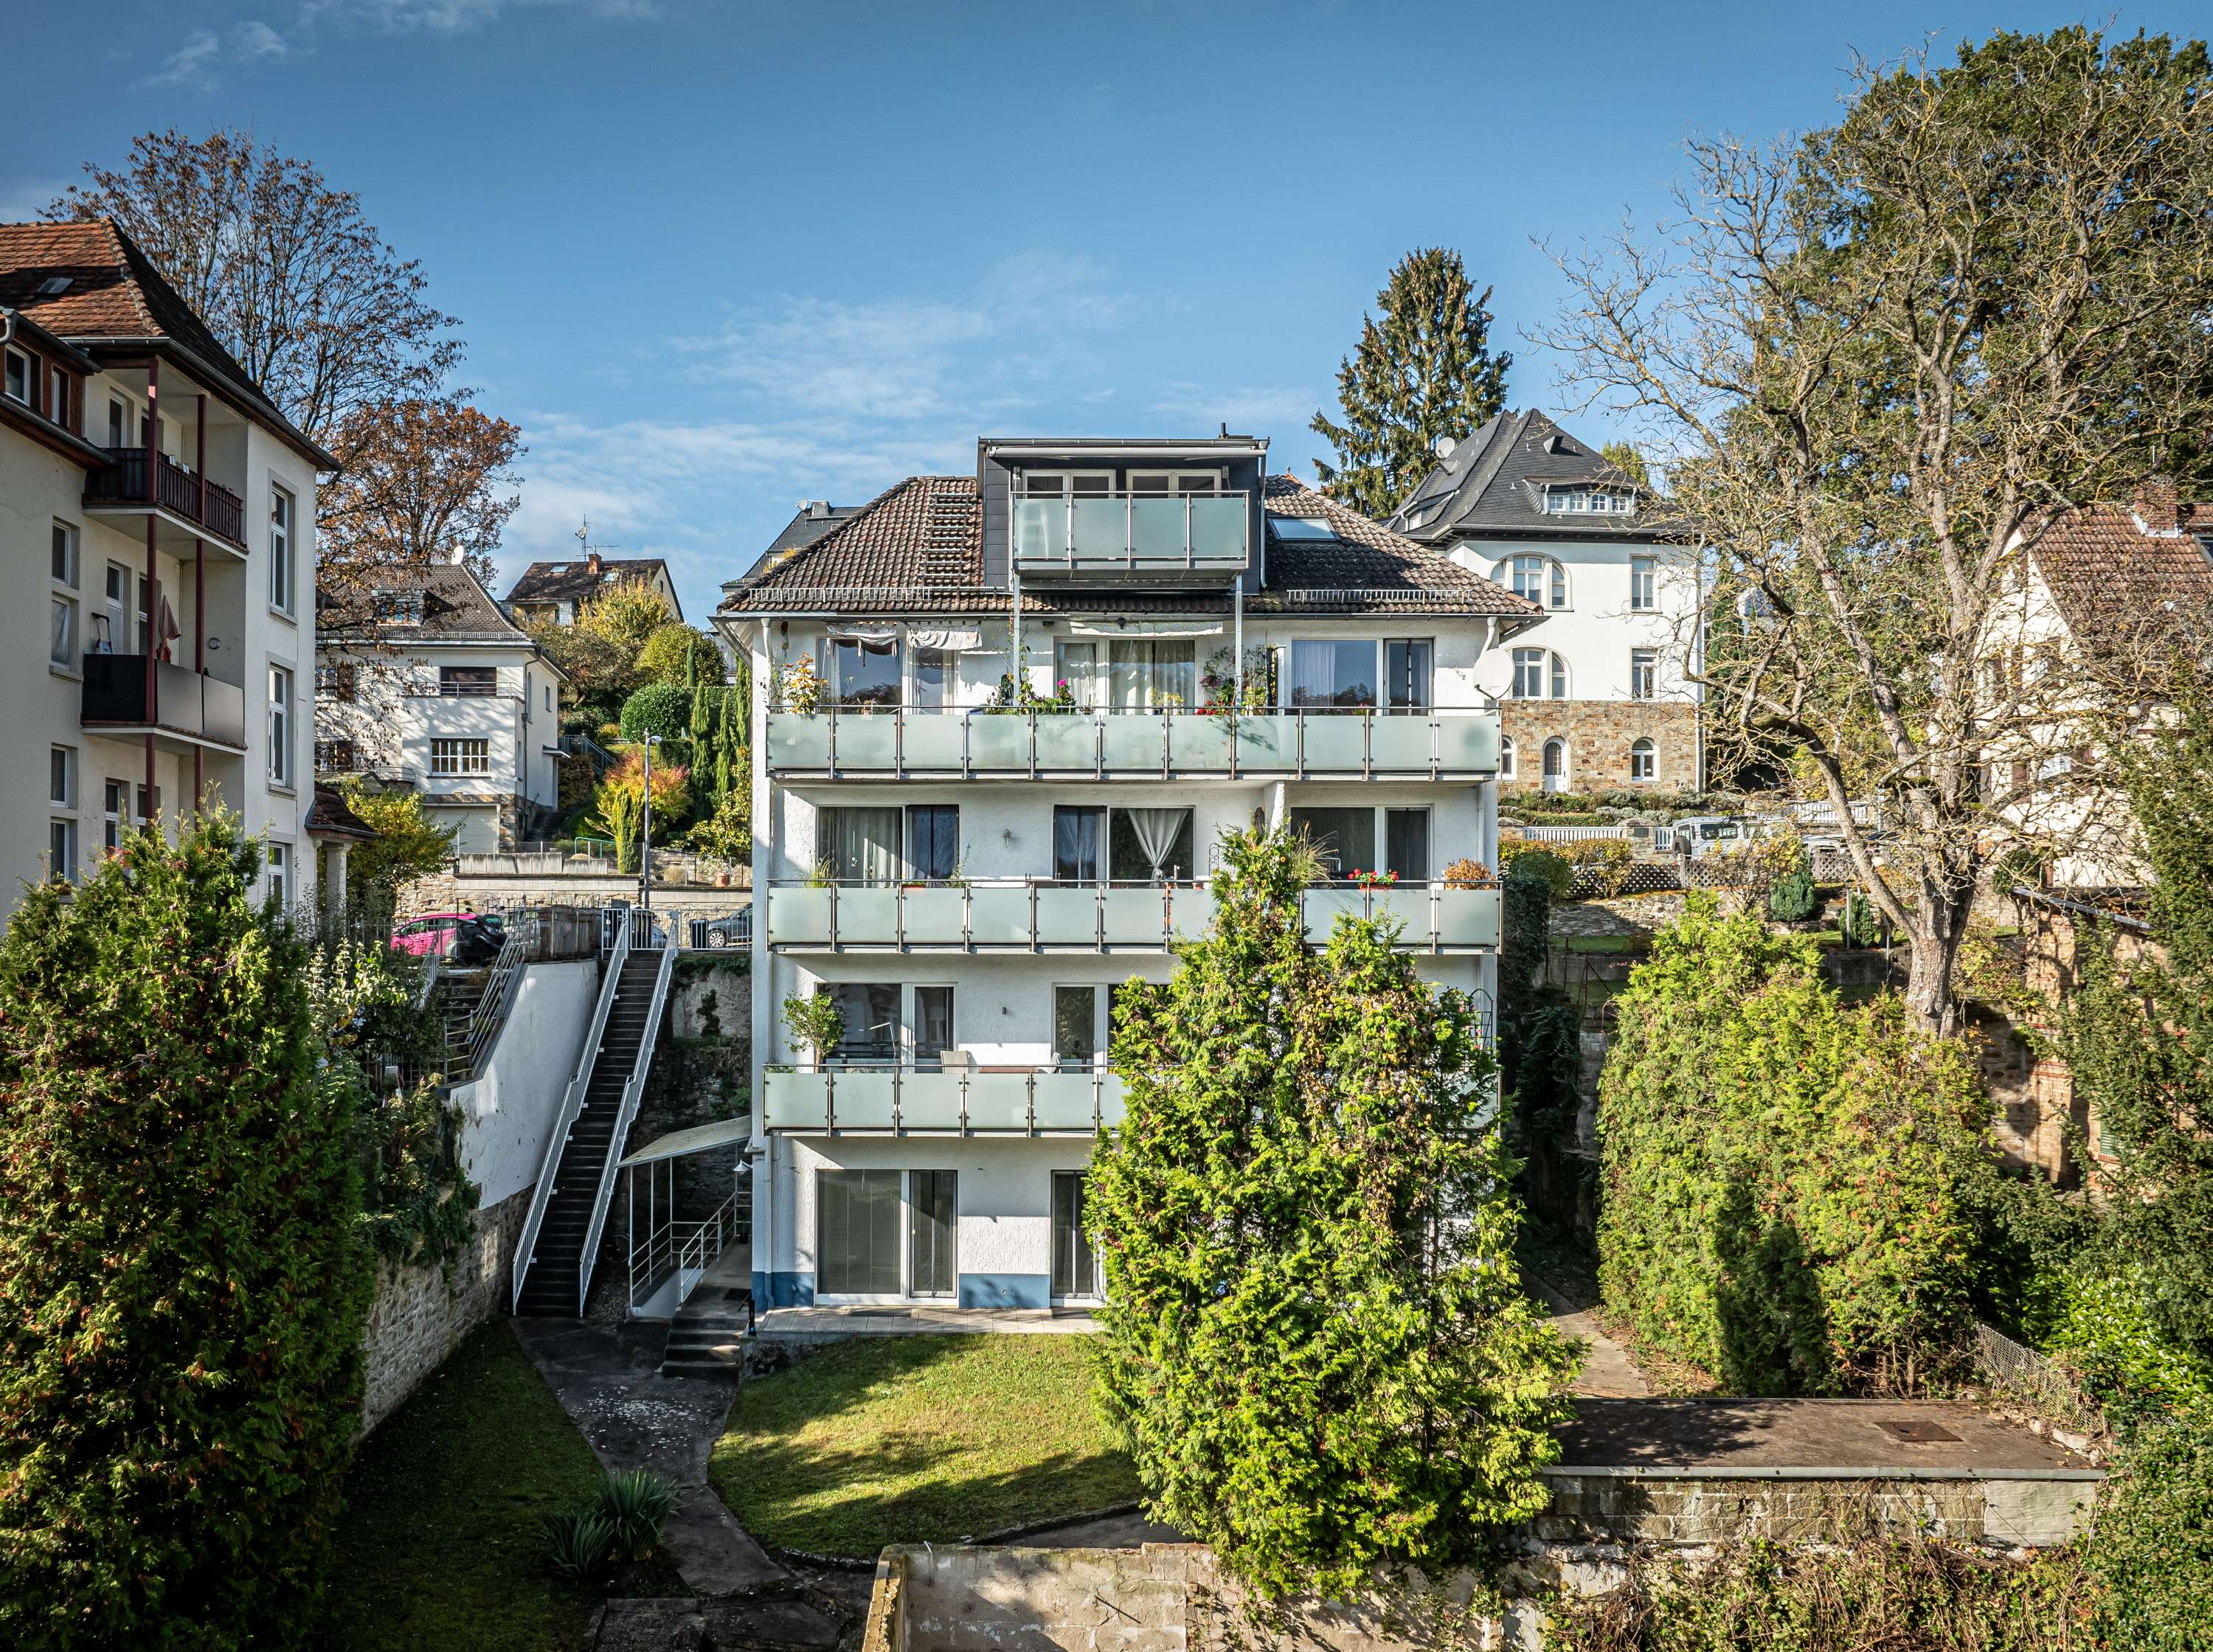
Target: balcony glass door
[1150,676]
[860,844]
[858,1232]
[1077,835]
[870,1010]
[1074,1264]
[1075,1028]
[933,1026]
[1332,676]
[933,840]
[1345,837]
[1406,674]
[932,1226]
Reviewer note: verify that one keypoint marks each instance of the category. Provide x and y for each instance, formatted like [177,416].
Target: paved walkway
[1877,1437]
[1608,1372]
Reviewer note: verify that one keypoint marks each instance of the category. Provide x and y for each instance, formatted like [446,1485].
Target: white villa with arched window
[1597,696]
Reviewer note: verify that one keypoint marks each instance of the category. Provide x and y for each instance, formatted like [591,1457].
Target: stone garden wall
[420,1315]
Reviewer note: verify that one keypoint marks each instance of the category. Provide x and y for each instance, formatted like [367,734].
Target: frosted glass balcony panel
[1402,743]
[867,743]
[930,1102]
[999,744]
[934,918]
[798,918]
[1199,744]
[796,1101]
[998,1101]
[1134,740]
[1135,918]
[999,915]
[1068,917]
[1068,740]
[933,740]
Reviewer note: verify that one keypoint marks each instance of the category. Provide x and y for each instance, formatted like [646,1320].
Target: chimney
[817,510]
[592,562]
[2158,508]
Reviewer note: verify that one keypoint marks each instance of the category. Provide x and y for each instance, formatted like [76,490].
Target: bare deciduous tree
[1883,360]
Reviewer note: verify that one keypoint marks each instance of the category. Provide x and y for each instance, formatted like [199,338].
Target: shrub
[618,805]
[663,709]
[1467,874]
[814,1022]
[581,1546]
[1526,857]
[678,654]
[1314,1343]
[2151,1550]
[182,1283]
[1788,1183]
[1792,899]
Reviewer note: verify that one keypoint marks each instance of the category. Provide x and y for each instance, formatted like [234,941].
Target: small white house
[422,681]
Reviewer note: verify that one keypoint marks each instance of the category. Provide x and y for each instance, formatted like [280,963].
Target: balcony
[940,1099]
[1042,917]
[1151,535]
[189,709]
[900,743]
[186,506]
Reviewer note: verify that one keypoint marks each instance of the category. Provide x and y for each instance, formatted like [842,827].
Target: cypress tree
[1315,1341]
[1425,371]
[183,1280]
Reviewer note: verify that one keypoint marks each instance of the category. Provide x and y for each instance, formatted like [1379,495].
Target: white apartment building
[992,764]
[1597,699]
[422,681]
[173,506]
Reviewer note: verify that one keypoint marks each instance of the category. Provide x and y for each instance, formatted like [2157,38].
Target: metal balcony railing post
[899,918]
[897,1128]
[1368,745]
[967,764]
[833,916]
[1035,942]
[964,1103]
[968,918]
[1300,762]
[1029,1088]
[1099,916]
[829,1102]
[1098,745]
[898,740]
[833,739]
[1436,745]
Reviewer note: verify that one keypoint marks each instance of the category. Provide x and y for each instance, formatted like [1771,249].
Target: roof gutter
[13,322]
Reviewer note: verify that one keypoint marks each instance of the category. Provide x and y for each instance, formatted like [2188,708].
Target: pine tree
[1315,1342]
[183,1279]
[706,761]
[1425,371]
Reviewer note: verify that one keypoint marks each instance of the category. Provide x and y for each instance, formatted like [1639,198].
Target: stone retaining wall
[1680,1507]
[420,1315]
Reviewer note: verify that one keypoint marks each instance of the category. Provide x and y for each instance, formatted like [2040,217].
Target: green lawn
[439,1546]
[918,1439]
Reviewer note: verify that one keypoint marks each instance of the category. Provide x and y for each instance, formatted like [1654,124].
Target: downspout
[200,593]
[1237,644]
[153,571]
[764,808]
[1014,585]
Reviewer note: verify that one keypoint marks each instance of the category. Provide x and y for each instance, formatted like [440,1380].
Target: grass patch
[440,1546]
[918,1439]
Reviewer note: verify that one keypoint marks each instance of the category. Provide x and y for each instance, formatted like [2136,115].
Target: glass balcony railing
[1147,533]
[941,1099]
[896,742]
[1046,917]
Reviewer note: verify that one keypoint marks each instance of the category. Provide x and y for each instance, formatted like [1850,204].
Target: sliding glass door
[857,1219]
[932,1268]
[1075,1265]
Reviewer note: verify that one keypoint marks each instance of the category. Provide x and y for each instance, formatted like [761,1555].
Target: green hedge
[182,1279]
[1788,1183]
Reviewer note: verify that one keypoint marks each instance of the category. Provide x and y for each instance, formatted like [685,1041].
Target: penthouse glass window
[865,671]
[1332,676]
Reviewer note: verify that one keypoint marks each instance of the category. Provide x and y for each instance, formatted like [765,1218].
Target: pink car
[466,938]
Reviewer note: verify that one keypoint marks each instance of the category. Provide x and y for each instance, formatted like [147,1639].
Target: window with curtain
[933,839]
[934,673]
[1076,664]
[1332,676]
[1076,840]
[1345,837]
[1406,843]
[860,844]
[1144,675]
[871,1010]
[1149,844]
[858,1238]
[1406,674]
[865,671]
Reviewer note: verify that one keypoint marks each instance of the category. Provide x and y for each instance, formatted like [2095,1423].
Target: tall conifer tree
[1424,371]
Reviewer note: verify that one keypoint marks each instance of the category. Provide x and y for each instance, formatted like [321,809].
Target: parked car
[464,937]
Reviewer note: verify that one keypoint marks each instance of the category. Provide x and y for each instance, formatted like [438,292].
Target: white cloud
[1257,408]
[458,16]
[188,64]
[255,39]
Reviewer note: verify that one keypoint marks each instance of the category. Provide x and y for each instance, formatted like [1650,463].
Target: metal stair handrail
[505,980]
[572,1105]
[633,1086]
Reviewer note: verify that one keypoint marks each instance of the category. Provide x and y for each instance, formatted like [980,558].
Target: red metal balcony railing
[122,480]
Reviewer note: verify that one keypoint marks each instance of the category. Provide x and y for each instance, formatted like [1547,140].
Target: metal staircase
[560,1237]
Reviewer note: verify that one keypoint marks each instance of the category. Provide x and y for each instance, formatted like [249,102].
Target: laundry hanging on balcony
[950,641]
[171,631]
[880,636]
[1149,633]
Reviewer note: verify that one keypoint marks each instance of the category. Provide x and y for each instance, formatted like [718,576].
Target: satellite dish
[1443,445]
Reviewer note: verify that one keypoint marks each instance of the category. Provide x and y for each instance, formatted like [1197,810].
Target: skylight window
[1301,527]
[53,286]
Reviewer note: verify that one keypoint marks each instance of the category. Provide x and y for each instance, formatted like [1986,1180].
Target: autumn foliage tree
[430,482]
[183,1280]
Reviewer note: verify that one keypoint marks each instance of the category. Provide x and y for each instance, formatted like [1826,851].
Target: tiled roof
[332,816]
[1489,484]
[114,293]
[917,547]
[456,609]
[572,581]
[2118,582]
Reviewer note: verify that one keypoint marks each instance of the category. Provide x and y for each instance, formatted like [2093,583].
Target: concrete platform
[1828,1439]
[835,1323]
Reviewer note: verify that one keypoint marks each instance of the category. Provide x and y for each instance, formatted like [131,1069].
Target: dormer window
[399,607]
[1578,500]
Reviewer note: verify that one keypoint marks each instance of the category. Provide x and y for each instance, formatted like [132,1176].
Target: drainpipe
[200,595]
[1237,644]
[152,568]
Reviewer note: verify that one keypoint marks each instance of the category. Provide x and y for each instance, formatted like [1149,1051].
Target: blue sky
[715,257]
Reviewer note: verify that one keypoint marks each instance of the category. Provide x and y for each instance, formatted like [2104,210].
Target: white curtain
[863,844]
[1313,673]
[1156,830]
[1150,676]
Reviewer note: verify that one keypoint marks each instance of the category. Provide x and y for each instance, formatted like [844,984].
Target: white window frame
[1643,584]
[66,539]
[19,366]
[1555,594]
[456,762]
[1644,755]
[1582,499]
[65,798]
[1217,481]
[1506,755]
[1567,761]
[281,700]
[64,827]
[282,871]
[62,642]
[1645,674]
[283,536]
[114,806]
[1068,480]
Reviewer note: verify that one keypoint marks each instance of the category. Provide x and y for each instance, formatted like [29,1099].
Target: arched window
[1540,674]
[1540,579]
[1644,760]
[1556,765]
[1506,757]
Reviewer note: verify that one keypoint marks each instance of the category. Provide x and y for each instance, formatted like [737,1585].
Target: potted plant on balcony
[815,1023]
[1378,880]
[798,688]
[1467,874]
